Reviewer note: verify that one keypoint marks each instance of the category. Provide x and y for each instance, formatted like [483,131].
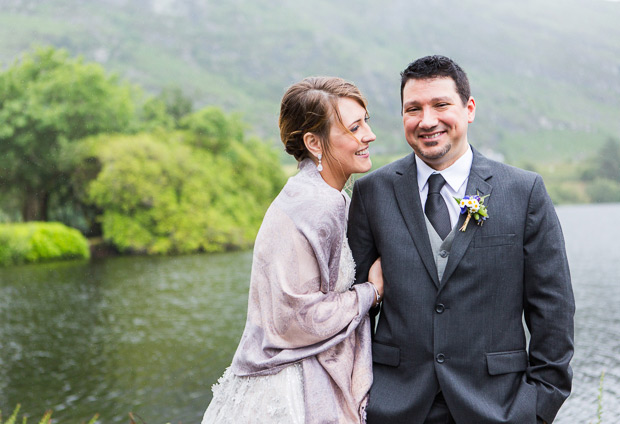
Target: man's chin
[433,154]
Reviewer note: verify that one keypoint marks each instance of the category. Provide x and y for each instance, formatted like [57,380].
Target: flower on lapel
[473,206]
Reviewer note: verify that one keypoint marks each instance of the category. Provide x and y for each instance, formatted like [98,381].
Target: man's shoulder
[504,172]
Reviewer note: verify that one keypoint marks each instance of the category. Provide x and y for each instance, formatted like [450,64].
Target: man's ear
[313,144]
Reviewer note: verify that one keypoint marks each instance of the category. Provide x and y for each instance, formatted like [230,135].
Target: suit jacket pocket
[385,354]
[506,362]
[494,240]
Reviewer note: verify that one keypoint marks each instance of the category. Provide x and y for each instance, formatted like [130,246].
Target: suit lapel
[477,183]
[408,199]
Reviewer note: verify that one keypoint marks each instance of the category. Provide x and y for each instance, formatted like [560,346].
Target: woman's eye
[355,128]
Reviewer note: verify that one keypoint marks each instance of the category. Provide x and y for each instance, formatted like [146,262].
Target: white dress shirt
[456,177]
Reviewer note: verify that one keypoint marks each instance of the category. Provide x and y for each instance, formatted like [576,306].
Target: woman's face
[349,154]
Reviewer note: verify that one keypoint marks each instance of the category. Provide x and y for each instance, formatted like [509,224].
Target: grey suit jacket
[464,335]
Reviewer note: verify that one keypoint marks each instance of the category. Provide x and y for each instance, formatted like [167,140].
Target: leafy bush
[165,192]
[40,241]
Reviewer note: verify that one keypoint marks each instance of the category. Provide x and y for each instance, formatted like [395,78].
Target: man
[450,344]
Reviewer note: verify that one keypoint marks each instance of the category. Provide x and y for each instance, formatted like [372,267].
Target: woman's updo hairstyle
[308,106]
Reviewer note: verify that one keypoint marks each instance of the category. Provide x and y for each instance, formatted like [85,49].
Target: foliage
[605,164]
[168,192]
[601,173]
[177,104]
[604,190]
[212,129]
[189,182]
[599,402]
[46,419]
[571,192]
[599,406]
[609,160]
[48,101]
[167,109]
[40,241]
[594,179]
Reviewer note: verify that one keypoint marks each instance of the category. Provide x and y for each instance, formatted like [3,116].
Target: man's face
[435,120]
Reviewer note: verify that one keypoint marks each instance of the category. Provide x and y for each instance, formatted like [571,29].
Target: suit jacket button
[443,253]
[441,358]
[439,308]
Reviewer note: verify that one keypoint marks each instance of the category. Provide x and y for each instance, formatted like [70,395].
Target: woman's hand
[375,276]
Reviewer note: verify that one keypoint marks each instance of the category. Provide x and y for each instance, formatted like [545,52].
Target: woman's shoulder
[307,194]
[311,206]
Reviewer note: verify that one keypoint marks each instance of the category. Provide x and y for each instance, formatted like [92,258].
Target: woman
[304,356]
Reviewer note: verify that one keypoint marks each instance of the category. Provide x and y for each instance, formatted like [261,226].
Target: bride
[305,354]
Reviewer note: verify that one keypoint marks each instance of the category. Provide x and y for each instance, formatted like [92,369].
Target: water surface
[151,335]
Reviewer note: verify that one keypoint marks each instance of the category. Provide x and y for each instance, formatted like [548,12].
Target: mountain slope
[545,75]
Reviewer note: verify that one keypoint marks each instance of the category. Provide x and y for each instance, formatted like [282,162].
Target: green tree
[213,130]
[604,164]
[47,102]
[609,160]
[177,104]
[166,109]
[604,190]
[159,193]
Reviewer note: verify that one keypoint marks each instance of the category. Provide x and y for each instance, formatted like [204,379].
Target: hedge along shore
[31,242]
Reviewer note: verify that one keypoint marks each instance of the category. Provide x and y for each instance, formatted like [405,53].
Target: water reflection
[147,335]
[151,335]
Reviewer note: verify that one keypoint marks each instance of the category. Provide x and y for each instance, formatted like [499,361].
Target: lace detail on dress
[269,399]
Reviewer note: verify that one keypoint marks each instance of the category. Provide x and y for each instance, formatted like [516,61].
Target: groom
[450,344]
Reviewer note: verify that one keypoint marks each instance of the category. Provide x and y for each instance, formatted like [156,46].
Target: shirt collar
[455,175]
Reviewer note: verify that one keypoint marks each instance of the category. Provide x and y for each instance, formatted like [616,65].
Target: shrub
[161,193]
[40,241]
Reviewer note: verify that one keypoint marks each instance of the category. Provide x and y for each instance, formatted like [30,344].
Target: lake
[150,335]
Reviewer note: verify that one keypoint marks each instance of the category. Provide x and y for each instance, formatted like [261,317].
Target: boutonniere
[474,207]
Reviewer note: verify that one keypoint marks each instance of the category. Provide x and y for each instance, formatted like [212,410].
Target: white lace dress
[269,399]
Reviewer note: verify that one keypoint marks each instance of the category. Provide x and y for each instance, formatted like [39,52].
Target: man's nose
[429,119]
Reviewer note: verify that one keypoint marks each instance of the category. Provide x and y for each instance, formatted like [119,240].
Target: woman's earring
[319,167]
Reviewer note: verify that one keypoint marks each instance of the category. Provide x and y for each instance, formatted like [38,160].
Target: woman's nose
[369,136]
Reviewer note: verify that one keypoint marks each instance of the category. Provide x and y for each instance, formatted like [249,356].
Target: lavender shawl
[294,314]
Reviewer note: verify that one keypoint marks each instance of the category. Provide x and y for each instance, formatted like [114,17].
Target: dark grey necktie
[436,209]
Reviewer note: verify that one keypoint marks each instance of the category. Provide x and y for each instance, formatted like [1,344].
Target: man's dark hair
[436,66]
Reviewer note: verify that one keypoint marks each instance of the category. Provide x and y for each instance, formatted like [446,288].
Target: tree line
[146,173]
[593,179]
